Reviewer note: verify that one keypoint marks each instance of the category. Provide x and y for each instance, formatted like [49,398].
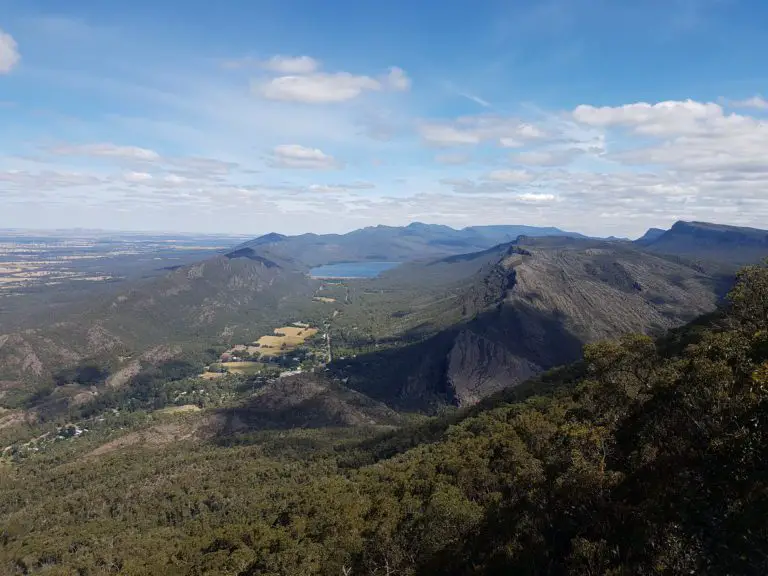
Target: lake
[352,269]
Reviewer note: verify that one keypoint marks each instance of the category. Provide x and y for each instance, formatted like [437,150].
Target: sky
[605,117]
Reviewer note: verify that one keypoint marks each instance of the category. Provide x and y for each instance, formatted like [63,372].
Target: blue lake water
[352,269]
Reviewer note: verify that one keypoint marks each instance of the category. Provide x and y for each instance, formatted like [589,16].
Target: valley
[54,268]
[300,288]
[401,388]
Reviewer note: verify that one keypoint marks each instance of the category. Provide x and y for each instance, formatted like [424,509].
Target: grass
[246,368]
[179,409]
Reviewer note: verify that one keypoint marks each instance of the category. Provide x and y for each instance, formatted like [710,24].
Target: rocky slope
[215,300]
[533,306]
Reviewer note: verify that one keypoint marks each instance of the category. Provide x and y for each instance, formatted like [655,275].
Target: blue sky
[602,116]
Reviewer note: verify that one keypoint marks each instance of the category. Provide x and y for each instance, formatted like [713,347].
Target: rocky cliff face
[478,366]
[540,303]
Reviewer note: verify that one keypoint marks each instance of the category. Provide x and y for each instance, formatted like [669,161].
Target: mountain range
[485,390]
[702,240]
[393,243]
[470,312]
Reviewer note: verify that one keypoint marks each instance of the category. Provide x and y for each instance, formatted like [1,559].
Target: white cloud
[554,157]
[688,136]
[296,156]
[470,130]
[291,64]
[175,179]
[510,176]
[452,159]
[300,81]
[340,188]
[535,197]
[9,53]
[446,135]
[398,80]
[661,119]
[137,177]
[318,88]
[756,102]
[652,162]
[106,150]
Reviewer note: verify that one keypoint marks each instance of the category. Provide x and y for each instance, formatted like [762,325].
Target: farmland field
[246,368]
[285,338]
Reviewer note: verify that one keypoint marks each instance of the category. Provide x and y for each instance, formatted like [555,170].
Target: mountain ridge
[735,245]
[531,306]
[394,243]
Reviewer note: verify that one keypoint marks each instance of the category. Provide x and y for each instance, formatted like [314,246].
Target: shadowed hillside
[527,307]
[716,242]
[647,457]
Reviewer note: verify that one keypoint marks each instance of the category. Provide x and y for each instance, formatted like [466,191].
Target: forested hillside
[645,458]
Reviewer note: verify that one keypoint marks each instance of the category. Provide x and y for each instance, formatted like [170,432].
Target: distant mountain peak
[732,245]
[424,226]
[269,238]
[650,235]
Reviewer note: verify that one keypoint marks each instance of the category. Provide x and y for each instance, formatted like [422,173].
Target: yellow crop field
[324,299]
[285,338]
[270,341]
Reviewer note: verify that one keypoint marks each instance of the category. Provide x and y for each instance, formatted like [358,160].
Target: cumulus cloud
[398,80]
[291,64]
[535,197]
[548,158]
[755,102]
[471,130]
[510,176]
[319,88]
[661,119]
[9,53]
[687,136]
[297,156]
[302,82]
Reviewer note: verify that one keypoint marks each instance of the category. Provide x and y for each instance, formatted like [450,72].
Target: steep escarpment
[534,307]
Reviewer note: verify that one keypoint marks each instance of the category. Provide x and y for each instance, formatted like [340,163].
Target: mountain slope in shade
[393,243]
[651,235]
[531,306]
[717,242]
[303,401]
